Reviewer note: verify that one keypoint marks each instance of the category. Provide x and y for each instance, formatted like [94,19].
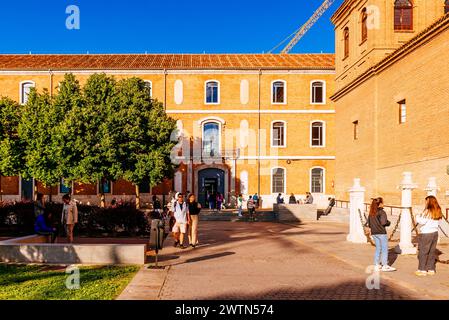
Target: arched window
[149,85]
[403,15]
[317,134]
[278,92]
[446,6]
[346,42]
[25,89]
[278,134]
[364,25]
[278,180]
[211,139]
[212,94]
[317,180]
[318,92]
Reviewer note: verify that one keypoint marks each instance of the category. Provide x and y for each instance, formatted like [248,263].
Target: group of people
[428,220]
[292,199]
[215,200]
[184,220]
[252,204]
[45,225]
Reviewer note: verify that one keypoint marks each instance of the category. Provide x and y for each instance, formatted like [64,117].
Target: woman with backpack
[429,221]
[377,222]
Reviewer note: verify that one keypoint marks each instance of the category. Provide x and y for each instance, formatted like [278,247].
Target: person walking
[377,222]
[256,200]
[43,227]
[194,209]
[212,199]
[39,205]
[292,199]
[69,216]
[219,201]
[240,204]
[251,205]
[181,216]
[429,221]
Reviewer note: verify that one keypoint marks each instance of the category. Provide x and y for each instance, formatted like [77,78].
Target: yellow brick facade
[389,68]
[254,112]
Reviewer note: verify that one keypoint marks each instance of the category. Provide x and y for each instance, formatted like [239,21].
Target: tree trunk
[35,189]
[102,198]
[137,197]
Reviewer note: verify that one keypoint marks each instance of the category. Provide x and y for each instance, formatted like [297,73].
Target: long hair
[375,205]
[433,209]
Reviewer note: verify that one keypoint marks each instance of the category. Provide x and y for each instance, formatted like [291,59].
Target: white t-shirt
[428,225]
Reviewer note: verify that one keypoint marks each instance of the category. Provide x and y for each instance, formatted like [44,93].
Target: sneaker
[431,272]
[420,273]
[377,267]
[387,268]
[182,247]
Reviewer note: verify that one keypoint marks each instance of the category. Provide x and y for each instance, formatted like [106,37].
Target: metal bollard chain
[395,227]
[363,225]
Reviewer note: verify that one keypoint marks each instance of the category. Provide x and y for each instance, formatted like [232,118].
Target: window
[317,180]
[63,188]
[364,25]
[278,92]
[446,6]
[403,15]
[211,139]
[278,134]
[25,89]
[402,111]
[356,129]
[212,92]
[278,180]
[149,85]
[346,42]
[105,186]
[318,92]
[317,134]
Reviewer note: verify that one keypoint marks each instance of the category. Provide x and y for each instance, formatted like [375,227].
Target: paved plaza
[241,260]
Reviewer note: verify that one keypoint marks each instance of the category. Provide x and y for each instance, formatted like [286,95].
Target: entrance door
[210,181]
[27,189]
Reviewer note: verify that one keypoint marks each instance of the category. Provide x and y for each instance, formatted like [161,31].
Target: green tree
[11,146]
[91,155]
[141,131]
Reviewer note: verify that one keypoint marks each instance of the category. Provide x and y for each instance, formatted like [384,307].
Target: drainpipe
[258,134]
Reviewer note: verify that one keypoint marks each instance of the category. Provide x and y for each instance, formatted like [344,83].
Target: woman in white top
[429,222]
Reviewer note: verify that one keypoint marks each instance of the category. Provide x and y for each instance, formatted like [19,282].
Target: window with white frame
[212,92]
[402,111]
[317,180]
[25,89]
[278,92]
[318,92]
[149,85]
[278,180]
[317,134]
[278,134]
[211,139]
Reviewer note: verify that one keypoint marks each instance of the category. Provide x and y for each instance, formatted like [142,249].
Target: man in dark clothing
[330,206]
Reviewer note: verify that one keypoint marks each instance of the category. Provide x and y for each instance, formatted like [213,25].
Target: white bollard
[405,244]
[356,203]
[432,187]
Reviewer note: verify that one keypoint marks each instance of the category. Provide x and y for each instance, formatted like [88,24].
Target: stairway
[232,215]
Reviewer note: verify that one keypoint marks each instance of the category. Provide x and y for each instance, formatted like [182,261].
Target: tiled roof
[165,61]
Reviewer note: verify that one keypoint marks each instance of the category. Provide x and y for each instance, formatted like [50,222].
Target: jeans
[427,245]
[381,253]
[240,210]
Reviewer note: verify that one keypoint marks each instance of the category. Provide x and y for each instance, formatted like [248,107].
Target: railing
[342,204]
[387,208]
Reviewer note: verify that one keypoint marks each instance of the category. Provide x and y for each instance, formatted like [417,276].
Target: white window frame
[219,134]
[323,82]
[285,92]
[151,86]
[285,179]
[324,179]
[402,111]
[323,133]
[285,134]
[21,97]
[218,93]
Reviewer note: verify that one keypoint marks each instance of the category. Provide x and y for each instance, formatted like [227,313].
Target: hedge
[18,219]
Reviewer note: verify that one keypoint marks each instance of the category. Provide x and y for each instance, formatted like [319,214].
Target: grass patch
[37,282]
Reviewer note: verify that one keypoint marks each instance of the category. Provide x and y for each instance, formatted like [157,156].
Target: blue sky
[169,26]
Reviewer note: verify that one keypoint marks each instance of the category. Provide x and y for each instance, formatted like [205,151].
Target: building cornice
[416,42]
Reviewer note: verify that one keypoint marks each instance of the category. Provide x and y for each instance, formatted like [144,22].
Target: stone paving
[239,260]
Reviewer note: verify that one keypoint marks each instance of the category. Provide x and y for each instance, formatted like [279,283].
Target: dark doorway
[27,189]
[210,181]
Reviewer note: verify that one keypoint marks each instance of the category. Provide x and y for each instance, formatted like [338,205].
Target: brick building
[391,95]
[248,123]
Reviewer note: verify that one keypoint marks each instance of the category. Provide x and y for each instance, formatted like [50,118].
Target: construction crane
[298,34]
